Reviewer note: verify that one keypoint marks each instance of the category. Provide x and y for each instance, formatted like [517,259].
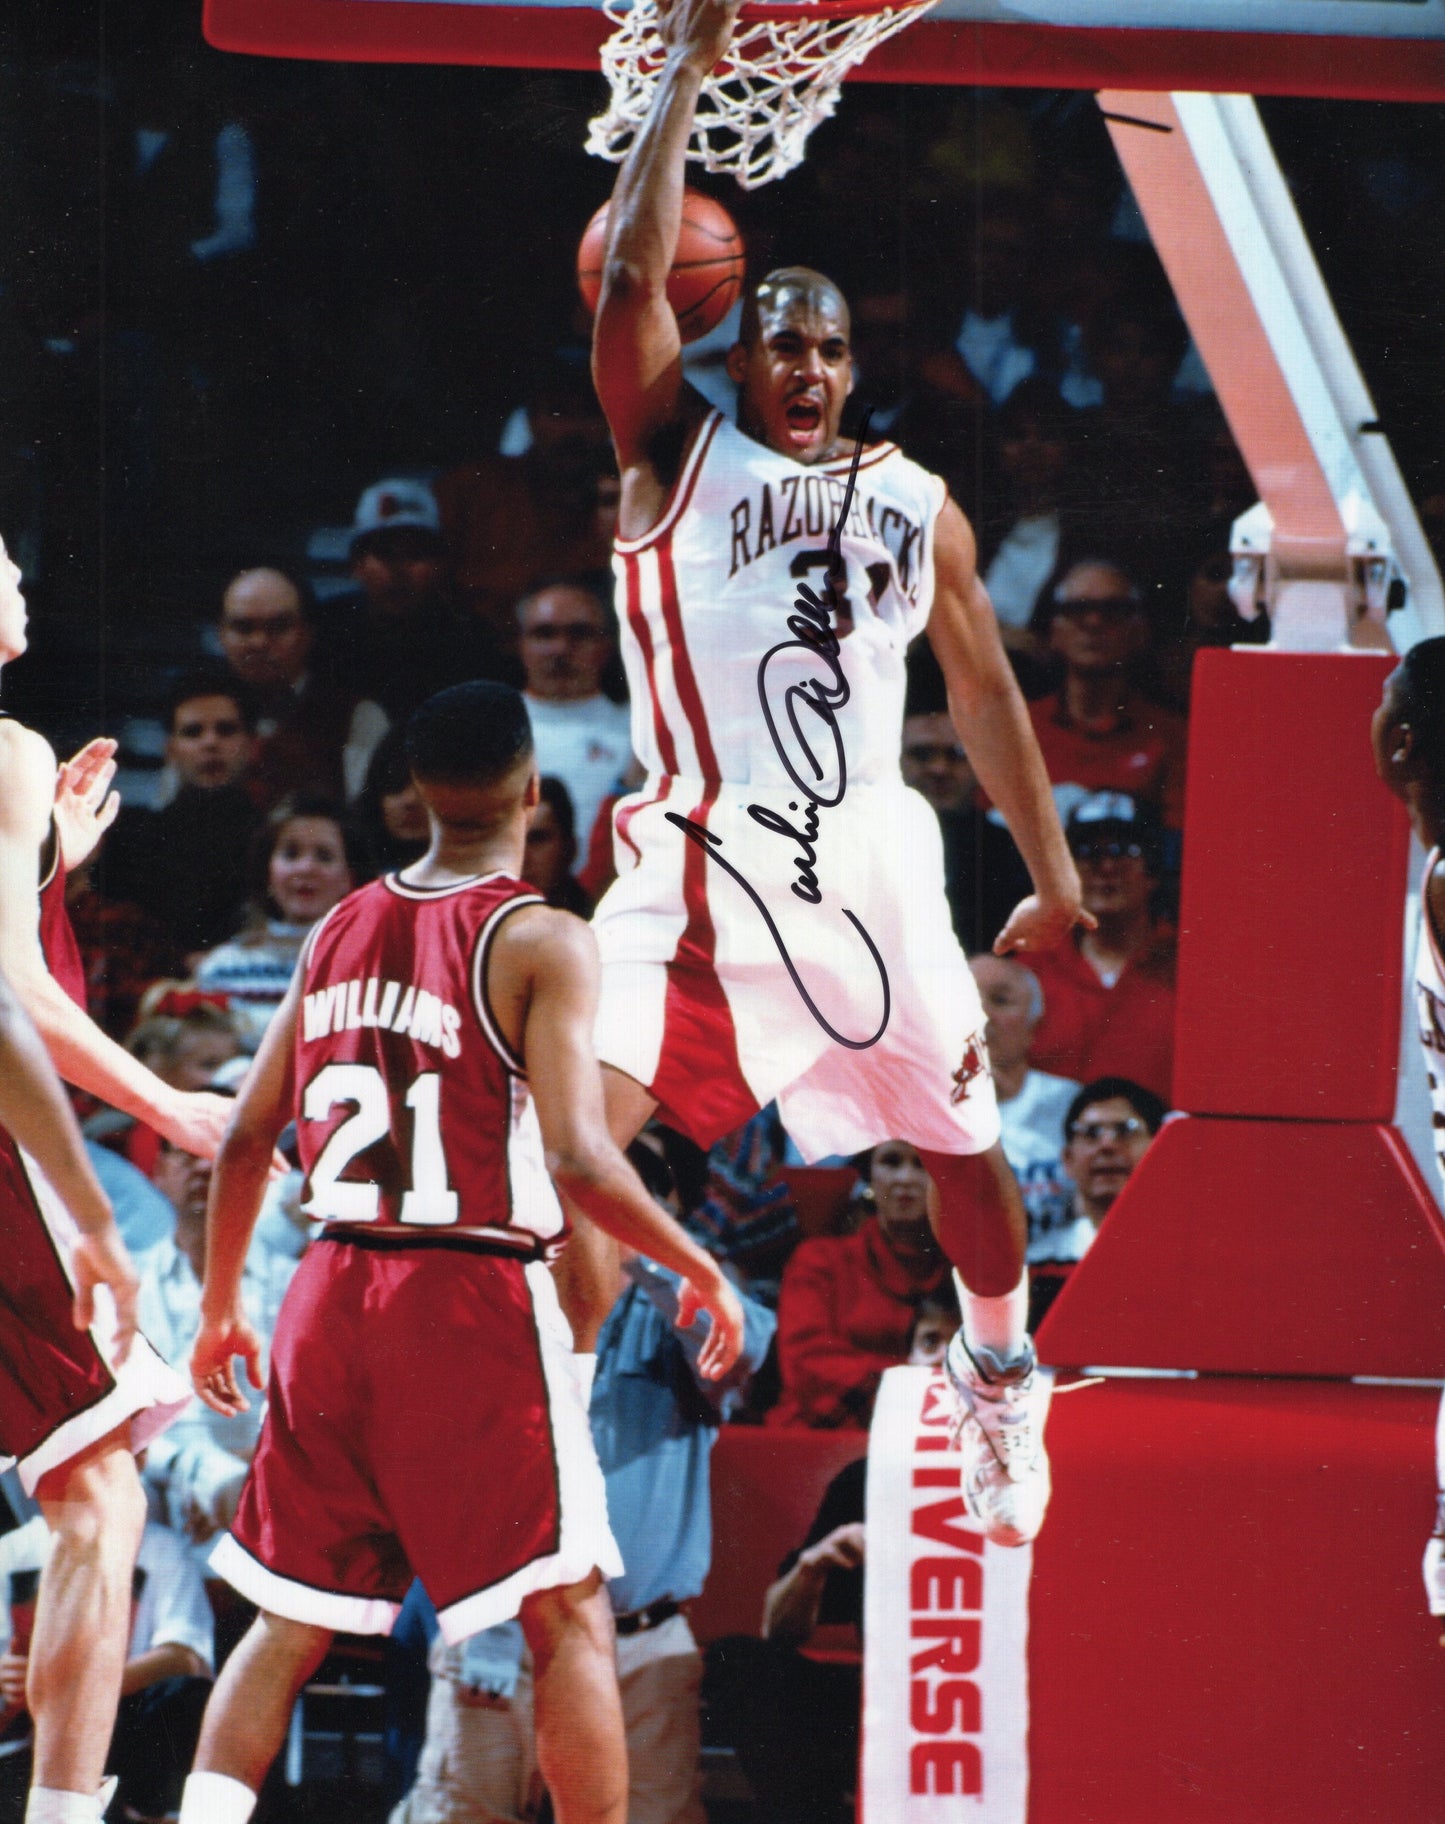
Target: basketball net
[780,78]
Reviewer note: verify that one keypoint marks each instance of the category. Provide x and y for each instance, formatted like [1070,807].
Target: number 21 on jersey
[428,1199]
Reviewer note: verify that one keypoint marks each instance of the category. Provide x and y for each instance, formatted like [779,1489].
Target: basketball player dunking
[426,1414]
[1408,736]
[779,928]
[74,1403]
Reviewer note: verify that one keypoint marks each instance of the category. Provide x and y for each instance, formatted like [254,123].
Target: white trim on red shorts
[299,1601]
[145,1390]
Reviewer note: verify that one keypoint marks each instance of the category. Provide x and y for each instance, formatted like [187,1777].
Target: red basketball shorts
[60,1388]
[424,1418]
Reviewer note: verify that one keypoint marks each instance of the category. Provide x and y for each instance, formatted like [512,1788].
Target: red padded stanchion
[1293,895]
[1263,1247]
[1226,1621]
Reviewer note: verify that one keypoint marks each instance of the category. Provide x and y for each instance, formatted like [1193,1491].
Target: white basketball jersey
[709,593]
[1430,1010]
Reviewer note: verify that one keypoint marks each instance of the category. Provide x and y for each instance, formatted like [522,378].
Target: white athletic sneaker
[1001,1412]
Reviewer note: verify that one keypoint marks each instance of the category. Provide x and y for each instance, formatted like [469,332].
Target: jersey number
[429,1199]
[808,561]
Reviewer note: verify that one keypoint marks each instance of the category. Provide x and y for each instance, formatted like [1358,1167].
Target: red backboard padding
[1004,55]
[1292,909]
[766,1487]
[1227,1622]
[1263,1247]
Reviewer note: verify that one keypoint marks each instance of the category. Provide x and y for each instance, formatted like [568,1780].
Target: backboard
[1380,49]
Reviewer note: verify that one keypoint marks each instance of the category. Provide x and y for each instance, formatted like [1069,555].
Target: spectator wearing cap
[313,733]
[1108,1127]
[515,521]
[1109,993]
[582,737]
[185,864]
[1031,1103]
[400,638]
[1098,732]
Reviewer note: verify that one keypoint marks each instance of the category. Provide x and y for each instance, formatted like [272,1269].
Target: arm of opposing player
[636,348]
[34,1109]
[80,1051]
[759,1327]
[557,956]
[992,720]
[238,1183]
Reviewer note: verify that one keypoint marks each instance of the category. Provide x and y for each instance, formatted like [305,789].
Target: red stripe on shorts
[699,1082]
[623,824]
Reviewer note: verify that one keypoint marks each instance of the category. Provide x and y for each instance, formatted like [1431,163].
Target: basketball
[707,270]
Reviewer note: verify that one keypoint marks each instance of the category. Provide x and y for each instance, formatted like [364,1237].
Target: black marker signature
[711,845]
[812,630]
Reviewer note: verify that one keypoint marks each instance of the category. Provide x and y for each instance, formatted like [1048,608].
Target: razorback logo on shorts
[974,1065]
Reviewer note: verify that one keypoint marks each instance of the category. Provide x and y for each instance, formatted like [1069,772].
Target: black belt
[653,1616]
[527,1249]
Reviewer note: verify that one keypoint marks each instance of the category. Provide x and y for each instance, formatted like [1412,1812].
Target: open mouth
[804,417]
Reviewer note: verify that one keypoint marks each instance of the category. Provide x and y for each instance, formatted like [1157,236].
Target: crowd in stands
[1037,360]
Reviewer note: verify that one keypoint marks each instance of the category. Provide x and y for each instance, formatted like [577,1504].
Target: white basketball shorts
[847,1000]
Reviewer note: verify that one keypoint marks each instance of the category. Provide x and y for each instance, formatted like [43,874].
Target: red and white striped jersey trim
[677,502]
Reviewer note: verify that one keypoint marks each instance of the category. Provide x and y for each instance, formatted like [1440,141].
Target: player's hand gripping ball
[707,270]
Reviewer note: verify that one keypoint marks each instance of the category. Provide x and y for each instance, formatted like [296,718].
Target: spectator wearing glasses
[1109,993]
[1108,1128]
[582,737]
[984,875]
[1098,731]
[313,733]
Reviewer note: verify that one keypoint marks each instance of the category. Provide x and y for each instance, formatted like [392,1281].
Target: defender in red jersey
[74,1401]
[426,1413]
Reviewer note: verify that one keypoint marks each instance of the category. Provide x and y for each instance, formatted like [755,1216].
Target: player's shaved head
[1417,690]
[789,291]
[474,734]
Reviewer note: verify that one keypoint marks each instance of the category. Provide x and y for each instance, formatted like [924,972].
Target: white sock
[997,1324]
[52,1805]
[215,1798]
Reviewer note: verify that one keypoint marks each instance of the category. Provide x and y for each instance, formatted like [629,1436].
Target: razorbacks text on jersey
[414,1115]
[707,593]
[1430,1010]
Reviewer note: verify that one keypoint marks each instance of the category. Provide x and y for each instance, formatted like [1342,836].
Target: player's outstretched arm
[34,1109]
[636,349]
[989,712]
[80,1051]
[556,955]
[238,1183]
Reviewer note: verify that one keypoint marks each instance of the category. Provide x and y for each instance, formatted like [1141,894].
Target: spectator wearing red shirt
[1098,732]
[848,1302]
[1109,993]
